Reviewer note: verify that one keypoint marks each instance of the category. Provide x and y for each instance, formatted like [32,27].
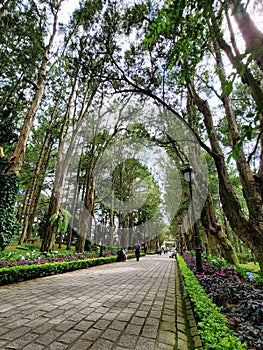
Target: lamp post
[180,225]
[189,176]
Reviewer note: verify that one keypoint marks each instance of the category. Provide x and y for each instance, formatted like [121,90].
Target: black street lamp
[180,225]
[189,176]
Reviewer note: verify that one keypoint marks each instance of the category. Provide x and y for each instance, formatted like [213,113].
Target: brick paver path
[128,305]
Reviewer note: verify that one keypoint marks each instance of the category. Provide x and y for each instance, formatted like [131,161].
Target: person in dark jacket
[137,249]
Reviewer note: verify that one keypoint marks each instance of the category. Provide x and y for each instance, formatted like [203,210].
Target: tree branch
[141,90]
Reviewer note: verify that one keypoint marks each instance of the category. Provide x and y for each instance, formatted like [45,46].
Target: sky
[68,7]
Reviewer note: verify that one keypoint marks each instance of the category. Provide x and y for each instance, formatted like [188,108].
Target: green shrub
[21,273]
[214,331]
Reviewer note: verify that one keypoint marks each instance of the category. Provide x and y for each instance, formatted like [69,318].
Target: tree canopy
[88,102]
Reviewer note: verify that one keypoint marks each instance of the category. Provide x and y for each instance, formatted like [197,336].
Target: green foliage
[214,260]
[62,220]
[22,273]
[245,256]
[21,49]
[135,16]
[227,82]
[213,329]
[7,134]
[184,24]
[133,181]
[86,15]
[243,272]
[250,266]
[8,190]
[248,133]
[138,130]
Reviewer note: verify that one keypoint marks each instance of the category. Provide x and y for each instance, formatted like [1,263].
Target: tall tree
[31,76]
[139,198]
[82,69]
[45,138]
[17,159]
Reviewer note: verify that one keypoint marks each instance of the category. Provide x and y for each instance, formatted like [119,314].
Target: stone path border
[128,305]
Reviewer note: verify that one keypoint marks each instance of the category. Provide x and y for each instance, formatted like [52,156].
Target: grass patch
[250,266]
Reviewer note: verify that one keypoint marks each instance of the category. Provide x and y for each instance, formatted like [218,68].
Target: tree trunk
[252,36]
[84,232]
[16,161]
[255,89]
[62,163]
[37,182]
[43,171]
[112,226]
[74,204]
[250,187]
[213,228]
[48,241]
[21,210]
[249,230]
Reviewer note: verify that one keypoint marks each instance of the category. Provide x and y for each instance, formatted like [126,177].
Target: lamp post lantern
[180,225]
[189,176]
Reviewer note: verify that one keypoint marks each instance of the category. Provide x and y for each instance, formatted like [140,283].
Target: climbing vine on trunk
[8,190]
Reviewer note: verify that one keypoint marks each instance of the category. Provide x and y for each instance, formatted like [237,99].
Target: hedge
[213,330]
[21,273]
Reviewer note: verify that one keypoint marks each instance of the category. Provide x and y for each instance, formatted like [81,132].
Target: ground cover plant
[239,293]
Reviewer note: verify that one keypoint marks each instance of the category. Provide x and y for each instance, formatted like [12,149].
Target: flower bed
[21,273]
[239,294]
[30,266]
[33,258]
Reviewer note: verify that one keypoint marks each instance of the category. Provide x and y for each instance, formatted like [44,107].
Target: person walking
[137,249]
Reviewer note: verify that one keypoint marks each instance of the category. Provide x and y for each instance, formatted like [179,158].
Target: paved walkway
[129,305]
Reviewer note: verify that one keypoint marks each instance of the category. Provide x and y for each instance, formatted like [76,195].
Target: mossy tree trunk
[250,229]
[218,242]
[8,190]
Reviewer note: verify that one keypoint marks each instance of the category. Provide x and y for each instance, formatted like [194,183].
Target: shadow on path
[131,305]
